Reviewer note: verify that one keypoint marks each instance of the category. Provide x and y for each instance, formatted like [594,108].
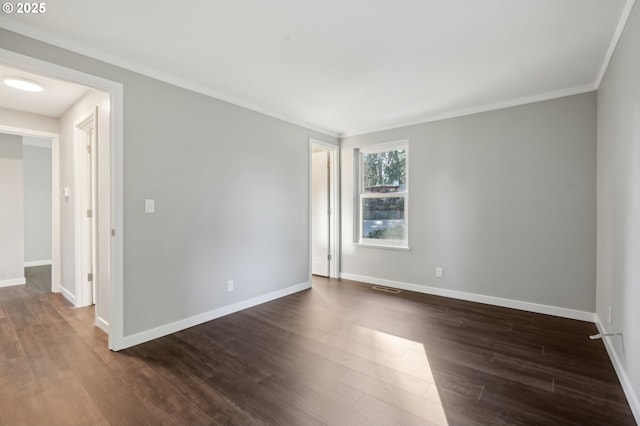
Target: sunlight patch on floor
[396,375]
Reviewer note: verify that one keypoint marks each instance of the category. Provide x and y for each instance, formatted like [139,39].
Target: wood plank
[428,409]
[380,413]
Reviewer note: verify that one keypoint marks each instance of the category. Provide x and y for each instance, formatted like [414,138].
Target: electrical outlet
[230,285]
[439,272]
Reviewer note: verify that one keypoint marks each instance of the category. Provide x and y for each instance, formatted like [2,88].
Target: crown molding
[65,43]
[82,49]
[624,17]
[478,109]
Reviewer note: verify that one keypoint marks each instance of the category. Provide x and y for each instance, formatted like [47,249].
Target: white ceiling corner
[56,98]
[622,22]
[347,67]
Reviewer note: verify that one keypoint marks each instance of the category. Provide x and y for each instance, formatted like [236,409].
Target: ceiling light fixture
[23,84]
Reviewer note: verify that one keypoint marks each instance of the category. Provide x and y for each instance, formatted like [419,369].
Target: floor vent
[387,289]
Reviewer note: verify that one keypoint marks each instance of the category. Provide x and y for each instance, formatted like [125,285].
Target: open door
[320,212]
[86,210]
[324,207]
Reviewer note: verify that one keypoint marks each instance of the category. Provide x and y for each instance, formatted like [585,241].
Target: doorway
[320,212]
[52,140]
[39,226]
[324,228]
[109,299]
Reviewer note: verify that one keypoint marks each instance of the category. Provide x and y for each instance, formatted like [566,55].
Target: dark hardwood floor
[339,354]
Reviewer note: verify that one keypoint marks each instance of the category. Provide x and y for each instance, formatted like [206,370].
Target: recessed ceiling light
[23,84]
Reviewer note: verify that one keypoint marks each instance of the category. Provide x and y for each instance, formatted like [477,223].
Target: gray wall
[503,200]
[231,191]
[11,210]
[37,203]
[618,283]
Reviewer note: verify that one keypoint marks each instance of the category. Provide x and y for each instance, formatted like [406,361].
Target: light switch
[149,206]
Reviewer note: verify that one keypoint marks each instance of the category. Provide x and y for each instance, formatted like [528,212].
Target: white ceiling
[348,66]
[53,101]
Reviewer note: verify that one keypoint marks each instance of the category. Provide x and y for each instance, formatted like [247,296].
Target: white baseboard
[634,403]
[102,324]
[472,297]
[37,263]
[145,336]
[67,294]
[13,281]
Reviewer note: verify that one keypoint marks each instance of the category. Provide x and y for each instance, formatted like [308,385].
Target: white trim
[163,330]
[102,324]
[67,295]
[92,52]
[382,246]
[624,17]
[37,263]
[116,92]
[116,267]
[334,204]
[38,143]
[83,245]
[56,245]
[627,387]
[380,243]
[385,146]
[473,297]
[13,281]
[80,48]
[397,145]
[475,110]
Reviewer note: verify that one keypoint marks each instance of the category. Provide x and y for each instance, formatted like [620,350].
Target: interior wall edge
[164,330]
[37,263]
[634,402]
[68,295]
[12,282]
[479,298]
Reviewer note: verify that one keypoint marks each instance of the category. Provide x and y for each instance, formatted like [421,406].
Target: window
[383,194]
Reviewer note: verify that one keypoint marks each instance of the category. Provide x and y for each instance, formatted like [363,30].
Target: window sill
[382,246]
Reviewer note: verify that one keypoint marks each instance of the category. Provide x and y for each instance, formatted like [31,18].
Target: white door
[320,213]
[89,220]
[85,170]
[92,206]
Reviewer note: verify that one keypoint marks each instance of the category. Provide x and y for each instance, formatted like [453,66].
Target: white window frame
[361,196]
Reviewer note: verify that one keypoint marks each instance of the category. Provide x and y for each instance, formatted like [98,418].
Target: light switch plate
[149,206]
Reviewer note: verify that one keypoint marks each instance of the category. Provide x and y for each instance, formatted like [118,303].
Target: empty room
[320,213]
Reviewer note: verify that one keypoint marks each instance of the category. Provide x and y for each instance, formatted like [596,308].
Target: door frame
[55,195]
[116,187]
[85,239]
[334,205]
